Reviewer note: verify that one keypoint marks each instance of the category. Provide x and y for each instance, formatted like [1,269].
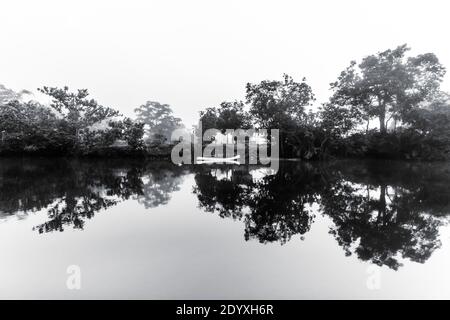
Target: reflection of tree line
[273,209]
[73,191]
[381,212]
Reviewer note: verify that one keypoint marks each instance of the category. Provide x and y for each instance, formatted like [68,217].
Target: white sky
[193,54]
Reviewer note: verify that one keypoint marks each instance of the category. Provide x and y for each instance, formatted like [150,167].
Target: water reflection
[73,191]
[382,212]
[273,208]
[385,213]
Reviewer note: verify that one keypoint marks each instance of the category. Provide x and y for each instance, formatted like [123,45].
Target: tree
[229,115]
[24,117]
[433,117]
[159,119]
[282,105]
[388,85]
[209,119]
[8,95]
[275,104]
[32,127]
[124,129]
[76,109]
[338,121]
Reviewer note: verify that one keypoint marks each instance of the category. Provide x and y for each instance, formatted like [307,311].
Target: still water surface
[135,229]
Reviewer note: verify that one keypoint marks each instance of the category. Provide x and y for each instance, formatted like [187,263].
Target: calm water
[344,229]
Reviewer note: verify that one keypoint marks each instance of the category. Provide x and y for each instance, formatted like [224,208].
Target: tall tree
[387,85]
[79,111]
[229,115]
[275,104]
[159,120]
[282,105]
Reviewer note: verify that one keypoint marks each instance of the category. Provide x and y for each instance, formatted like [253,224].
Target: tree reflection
[73,191]
[226,195]
[158,183]
[386,213]
[273,208]
[381,212]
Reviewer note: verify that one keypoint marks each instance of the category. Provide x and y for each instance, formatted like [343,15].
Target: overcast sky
[194,54]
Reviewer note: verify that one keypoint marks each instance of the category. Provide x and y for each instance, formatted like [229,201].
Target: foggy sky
[194,54]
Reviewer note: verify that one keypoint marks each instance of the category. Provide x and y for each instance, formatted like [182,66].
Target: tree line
[74,124]
[388,105]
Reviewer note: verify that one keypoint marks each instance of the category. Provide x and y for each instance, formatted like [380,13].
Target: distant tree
[159,119]
[388,85]
[8,95]
[433,117]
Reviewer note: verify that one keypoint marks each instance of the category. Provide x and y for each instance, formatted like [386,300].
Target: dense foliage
[71,124]
[390,105]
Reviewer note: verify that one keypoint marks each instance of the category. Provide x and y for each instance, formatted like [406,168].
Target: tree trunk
[382,123]
[382,204]
[382,115]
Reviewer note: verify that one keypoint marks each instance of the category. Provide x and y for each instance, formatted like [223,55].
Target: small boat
[220,162]
[215,159]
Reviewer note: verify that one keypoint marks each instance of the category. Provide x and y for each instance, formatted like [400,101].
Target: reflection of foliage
[279,208]
[159,184]
[224,196]
[70,211]
[382,232]
[73,191]
[382,212]
[271,208]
